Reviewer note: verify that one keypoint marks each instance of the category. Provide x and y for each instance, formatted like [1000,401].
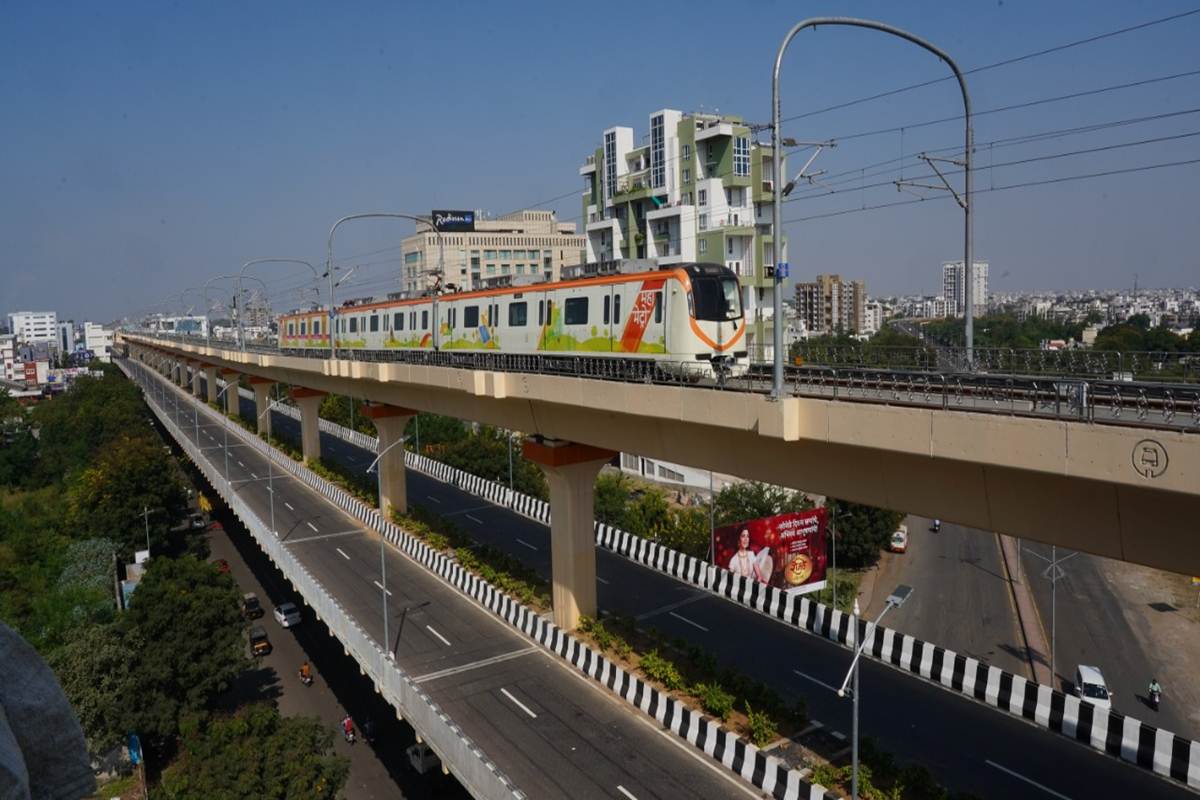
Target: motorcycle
[936,525]
[1155,698]
[307,680]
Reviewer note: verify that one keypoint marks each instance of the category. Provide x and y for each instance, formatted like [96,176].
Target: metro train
[685,318]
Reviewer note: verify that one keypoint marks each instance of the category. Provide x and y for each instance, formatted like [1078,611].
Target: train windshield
[716,299]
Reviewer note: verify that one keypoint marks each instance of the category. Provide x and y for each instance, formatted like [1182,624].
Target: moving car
[251,608]
[1091,688]
[287,615]
[899,541]
[196,521]
[260,645]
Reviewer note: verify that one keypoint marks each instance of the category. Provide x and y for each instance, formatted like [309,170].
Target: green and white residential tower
[698,189]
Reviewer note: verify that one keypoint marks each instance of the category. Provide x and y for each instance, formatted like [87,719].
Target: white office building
[8,357]
[954,288]
[34,326]
[99,340]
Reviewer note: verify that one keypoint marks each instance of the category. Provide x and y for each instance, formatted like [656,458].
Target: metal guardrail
[1085,391]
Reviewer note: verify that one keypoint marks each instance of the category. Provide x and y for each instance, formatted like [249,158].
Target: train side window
[354,324]
[374,323]
[658,306]
[398,321]
[291,329]
[607,301]
[517,313]
[425,319]
[575,311]
[541,312]
[303,326]
[471,317]
[316,327]
[387,322]
[616,309]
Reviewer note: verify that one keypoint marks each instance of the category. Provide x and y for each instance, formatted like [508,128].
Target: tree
[337,408]
[610,498]
[254,754]
[189,616]
[434,430]
[862,531]
[109,497]
[93,668]
[748,500]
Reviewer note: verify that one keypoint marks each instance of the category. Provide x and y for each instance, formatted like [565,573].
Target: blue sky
[148,147]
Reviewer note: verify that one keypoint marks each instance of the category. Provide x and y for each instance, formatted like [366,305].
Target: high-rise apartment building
[66,336]
[698,190]
[34,326]
[529,245]
[954,288]
[832,305]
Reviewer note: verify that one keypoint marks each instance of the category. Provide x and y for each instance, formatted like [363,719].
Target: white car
[287,615]
[1091,688]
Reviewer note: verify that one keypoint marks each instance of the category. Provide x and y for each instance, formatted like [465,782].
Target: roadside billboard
[786,551]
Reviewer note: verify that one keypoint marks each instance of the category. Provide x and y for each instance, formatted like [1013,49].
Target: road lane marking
[527,544]
[1021,777]
[688,621]
[343,553]
[289,505]
[467,510]
[434,499]
[323,536]
[626,792]
[269,489]
[602,580]
[380,585]
[474,519]
[484,662]
[671,606]
[252,475]
[240,464]
[445,641]
[520,705]
[314,527]
[817,681]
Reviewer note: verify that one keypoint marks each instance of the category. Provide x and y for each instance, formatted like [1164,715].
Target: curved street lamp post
[252,262]
[777,212]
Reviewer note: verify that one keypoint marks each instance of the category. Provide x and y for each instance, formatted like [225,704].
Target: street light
[329,266]
[895,600]
[777,211]
[400,629]
[382,551]
[252,262]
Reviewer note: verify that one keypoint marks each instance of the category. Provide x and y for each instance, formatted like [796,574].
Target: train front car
[301,332]
[716,332]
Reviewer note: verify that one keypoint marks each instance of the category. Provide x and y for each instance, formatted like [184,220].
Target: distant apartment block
[831,305]
[954,288]
[525,246]
[66,336]
[700,189]
[8,357]
[34,326]
[99,340]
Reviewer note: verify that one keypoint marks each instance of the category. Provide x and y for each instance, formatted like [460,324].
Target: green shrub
[662,670]
[715,699]
[762,727]
[827,775]
[621,647]
[604,639]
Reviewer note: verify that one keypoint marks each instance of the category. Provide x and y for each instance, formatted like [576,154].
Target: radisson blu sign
[454,221]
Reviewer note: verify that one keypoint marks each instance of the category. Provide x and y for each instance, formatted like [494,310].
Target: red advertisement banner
[786,551]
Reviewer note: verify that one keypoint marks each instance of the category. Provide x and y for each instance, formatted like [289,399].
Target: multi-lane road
[970,746]
[551,731]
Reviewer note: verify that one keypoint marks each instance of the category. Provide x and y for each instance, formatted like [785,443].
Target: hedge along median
[1126,738]
[764,771]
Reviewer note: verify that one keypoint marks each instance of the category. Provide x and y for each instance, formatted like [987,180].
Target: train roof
[696,269]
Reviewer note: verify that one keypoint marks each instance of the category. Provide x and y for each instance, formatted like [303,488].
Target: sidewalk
[1036,646]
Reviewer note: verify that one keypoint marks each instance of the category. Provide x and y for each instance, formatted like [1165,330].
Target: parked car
[196,521]
[222,566]
[251,608]
[287,615]
[1091,688]
[899,541]
[260,645]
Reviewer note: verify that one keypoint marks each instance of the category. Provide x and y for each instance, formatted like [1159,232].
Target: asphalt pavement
[553,732]
[966,744]
[958,576]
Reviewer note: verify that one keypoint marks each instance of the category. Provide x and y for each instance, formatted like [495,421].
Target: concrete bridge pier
[231,394]
[390,422]
[309,402]
[197,367]
[262,401]
[571,471]
[210,380]
[180,372]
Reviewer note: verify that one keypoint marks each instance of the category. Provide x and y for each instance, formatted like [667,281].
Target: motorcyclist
[1155,687]
[305,672]
[348,728]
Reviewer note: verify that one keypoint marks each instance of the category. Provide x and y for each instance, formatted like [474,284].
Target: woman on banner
[749,565]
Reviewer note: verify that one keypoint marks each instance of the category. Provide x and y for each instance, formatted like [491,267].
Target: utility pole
[146,516]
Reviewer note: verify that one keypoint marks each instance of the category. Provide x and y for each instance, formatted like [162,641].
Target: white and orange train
[686,315]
